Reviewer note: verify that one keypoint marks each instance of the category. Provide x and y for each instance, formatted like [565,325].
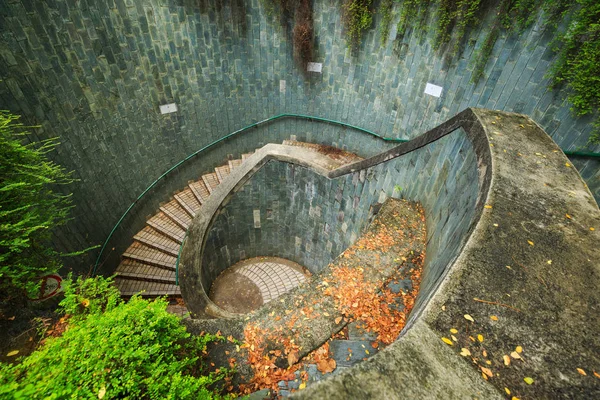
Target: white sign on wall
[168,108]
[433,90]
[314,67]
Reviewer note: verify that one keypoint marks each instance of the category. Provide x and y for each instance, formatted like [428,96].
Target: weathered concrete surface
[547,302]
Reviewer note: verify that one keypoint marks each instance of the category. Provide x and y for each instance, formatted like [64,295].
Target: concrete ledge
[527,264]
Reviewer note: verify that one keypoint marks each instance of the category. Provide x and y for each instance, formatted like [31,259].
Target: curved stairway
[148,265]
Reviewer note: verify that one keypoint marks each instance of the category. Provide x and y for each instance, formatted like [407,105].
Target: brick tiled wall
[94,73]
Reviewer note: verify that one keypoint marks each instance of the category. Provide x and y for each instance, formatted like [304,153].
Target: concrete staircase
[148,265]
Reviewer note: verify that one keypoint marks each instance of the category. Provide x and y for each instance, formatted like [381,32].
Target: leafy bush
[89,296]
[132,350]
[29,206]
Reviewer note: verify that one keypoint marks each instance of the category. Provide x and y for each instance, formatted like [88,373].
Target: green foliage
[578,64]
[453,19]
[29,205]
[483,54]
[89,296]
[386,20]
[415,12]
[132,350]
[358,18]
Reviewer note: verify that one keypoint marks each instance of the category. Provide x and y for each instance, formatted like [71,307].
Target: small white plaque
[433,90]
[314,67]
[168,108]
[256,214]
[282,86]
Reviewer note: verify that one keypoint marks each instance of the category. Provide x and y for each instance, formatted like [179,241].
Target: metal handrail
[254,125]
[234,133]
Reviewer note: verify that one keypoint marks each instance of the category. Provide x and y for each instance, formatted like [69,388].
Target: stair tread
[222,172]
[211,181]
[153,238]
[162,223]
[199,189]
[188,201]
[174,211]
[141,252]
[234,163]
[133,269]
[129,287]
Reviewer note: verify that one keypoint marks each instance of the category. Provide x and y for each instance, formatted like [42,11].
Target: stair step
[211,181]
[140,252]
[188,201]
[152,238]
[200,191]
[246,155]
[222,172]
[233,164]
[136,270]
[129,287]
[174,211]
[166,226]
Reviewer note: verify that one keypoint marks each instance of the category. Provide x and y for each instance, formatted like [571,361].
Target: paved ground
[251,283]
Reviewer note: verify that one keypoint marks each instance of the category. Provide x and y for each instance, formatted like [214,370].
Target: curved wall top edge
[191,266]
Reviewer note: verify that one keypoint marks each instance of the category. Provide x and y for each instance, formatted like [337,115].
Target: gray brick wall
[94,72]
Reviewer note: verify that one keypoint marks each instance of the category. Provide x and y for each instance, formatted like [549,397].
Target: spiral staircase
[148,266]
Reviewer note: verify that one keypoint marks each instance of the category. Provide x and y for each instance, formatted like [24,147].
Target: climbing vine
[578,64]
[412,10]
[385,9]
[577,67]
[358,17]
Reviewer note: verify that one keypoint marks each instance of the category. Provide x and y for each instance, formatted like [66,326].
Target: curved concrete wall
[94,74]
[310,218]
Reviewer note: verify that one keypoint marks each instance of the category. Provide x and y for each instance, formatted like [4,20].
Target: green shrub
[132,350]
[29,205]
[89,296]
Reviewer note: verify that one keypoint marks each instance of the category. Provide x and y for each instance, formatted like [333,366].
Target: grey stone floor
[251,283]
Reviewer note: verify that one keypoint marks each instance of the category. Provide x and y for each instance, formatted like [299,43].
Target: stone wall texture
[94,73]
[292,212]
